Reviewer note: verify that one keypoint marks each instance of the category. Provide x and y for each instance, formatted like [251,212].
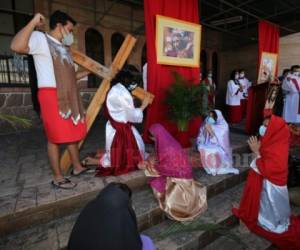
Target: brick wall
[18,102]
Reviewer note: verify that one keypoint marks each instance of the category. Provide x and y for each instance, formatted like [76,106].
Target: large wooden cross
[107,74]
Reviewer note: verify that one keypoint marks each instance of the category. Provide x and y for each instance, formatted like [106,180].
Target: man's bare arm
[19,43]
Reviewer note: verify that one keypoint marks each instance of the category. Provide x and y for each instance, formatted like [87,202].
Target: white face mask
[262,130]
[68,38]
[236,77]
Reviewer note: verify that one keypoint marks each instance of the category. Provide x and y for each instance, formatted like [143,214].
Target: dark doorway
[94,48]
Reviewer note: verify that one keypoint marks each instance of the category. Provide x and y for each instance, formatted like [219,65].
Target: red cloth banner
[159,77]
[268,41]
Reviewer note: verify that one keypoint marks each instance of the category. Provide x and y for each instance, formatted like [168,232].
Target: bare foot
[142,165]
[90,161]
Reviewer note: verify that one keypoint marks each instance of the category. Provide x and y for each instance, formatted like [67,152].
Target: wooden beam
[141,94]
[90,64]
[103,72]
[100,95]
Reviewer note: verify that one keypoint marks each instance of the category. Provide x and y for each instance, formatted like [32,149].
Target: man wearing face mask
[291,87]
[246,85]
[61,107]
[233,98]
[211,88]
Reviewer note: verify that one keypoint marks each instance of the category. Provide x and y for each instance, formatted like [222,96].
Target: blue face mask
[210,120]
[262,130]
[68,38]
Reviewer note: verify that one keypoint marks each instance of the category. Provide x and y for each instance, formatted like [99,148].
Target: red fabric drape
[268,41]
[159,77]
[273,166]
[124,151]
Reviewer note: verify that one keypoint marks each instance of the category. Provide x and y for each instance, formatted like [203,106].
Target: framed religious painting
[272,94]
[177,42]
[267,67]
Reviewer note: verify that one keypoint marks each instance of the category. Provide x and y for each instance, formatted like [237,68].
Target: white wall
[289,51]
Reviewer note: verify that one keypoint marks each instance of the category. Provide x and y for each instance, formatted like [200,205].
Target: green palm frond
[198,225]
[185,100]
[15,120]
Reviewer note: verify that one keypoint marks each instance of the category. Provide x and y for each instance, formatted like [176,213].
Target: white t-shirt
[39,48]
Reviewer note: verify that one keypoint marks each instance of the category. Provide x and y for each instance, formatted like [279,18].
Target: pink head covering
[172,160]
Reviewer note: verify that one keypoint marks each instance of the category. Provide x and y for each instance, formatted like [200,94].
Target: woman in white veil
[214,145]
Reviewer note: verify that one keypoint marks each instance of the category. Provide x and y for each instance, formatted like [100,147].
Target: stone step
[41,204]
[55,233]
[244,239]
[219,212]
[234,236]
[238,239]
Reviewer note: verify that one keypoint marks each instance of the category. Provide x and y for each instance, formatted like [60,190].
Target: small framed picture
[177,42]
[267,67]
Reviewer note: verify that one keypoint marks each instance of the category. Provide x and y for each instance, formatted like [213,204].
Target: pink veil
[172,160]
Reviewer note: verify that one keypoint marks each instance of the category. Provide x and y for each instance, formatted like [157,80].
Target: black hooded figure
[107,223]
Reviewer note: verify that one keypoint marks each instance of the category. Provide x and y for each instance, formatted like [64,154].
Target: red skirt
[244,107]
[234,114]
[58,130]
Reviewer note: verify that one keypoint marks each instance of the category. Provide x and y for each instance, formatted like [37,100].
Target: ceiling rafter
[223,11]
[253,15]
[267,18]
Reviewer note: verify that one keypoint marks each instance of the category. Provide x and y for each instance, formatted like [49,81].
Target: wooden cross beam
[100,95]
[104,72]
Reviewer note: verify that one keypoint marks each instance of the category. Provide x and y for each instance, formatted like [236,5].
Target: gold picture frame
[177,42]
[267,67]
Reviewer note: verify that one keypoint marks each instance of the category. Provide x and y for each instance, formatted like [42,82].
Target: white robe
[291,104]
[274,212]
[233,96]
[120,106]
[215,151]
[246,85]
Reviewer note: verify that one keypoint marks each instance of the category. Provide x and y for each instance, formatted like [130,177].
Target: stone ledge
[34,207]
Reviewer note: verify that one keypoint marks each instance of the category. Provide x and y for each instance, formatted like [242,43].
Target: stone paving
[25,178]
[24,163]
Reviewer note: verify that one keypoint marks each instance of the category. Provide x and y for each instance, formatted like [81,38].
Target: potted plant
[185,101]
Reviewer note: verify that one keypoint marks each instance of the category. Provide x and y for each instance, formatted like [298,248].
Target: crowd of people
[284,99]
[264,207]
